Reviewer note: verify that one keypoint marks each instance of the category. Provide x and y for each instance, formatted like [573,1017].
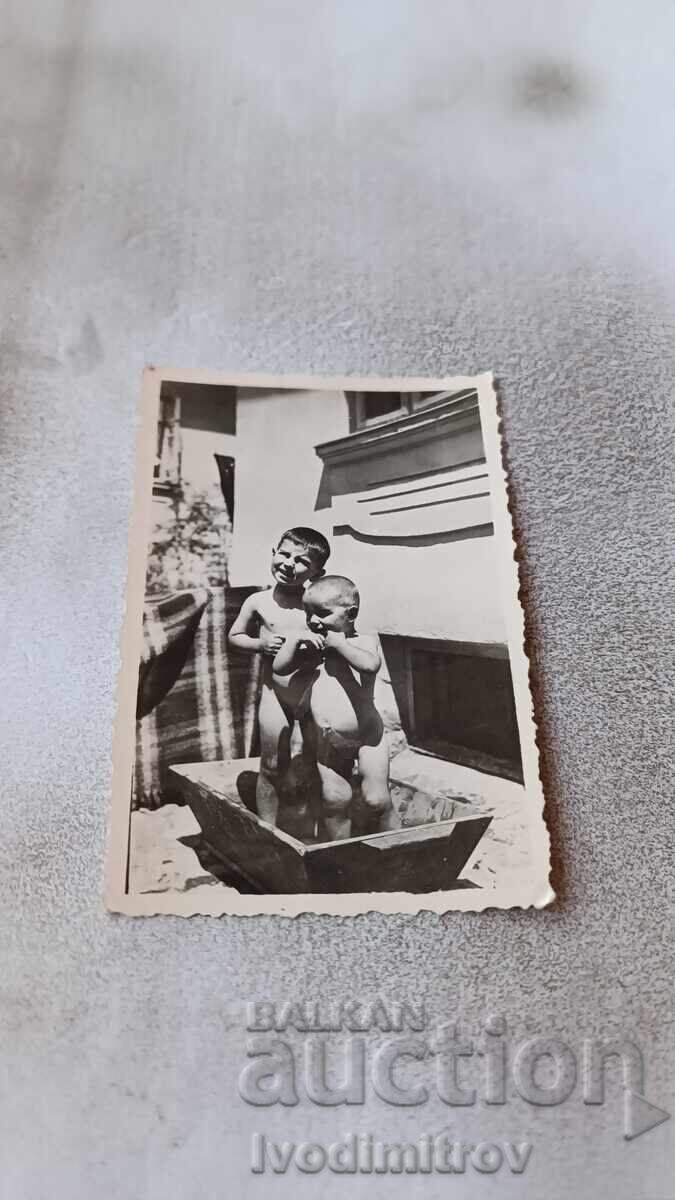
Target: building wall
[277,472]
[411,522]
[448,590]
[198,464]
[207,418]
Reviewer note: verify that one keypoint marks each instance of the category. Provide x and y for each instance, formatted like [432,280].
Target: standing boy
[266,619]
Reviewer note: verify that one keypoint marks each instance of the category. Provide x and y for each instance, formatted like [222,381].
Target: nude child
[334,668]
[266,619]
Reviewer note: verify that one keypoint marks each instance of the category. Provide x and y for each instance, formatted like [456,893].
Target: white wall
[198,465]
[277,473]
[448,590]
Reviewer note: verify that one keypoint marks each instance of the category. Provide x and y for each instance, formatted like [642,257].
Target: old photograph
[324,701]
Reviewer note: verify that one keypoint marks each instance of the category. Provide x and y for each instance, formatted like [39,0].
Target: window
[375,408]
[456,701]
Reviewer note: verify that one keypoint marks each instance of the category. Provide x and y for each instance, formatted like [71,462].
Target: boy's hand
[313,639]
[334,639]
[270,642]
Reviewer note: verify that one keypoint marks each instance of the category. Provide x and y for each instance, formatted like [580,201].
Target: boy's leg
[304,762]
[336,800]
[275,741]
[335,772]
[378,809]
[299,787]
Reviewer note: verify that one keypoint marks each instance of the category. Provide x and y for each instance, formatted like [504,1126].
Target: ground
[163,851]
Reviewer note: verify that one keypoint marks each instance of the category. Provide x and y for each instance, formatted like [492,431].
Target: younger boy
[265,620]
[335,667]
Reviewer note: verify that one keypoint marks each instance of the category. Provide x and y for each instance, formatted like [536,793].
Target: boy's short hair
[310,539]
[334,589]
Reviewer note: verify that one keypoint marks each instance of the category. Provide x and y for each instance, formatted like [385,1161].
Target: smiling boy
[266,619]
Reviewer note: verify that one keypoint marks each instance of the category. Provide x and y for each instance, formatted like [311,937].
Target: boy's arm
[248,617]
[293,653]
[361,652]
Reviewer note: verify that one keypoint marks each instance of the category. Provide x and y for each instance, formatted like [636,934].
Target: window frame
[411,402]
[456,752]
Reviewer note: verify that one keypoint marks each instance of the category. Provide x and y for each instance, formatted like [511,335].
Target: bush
[190,541]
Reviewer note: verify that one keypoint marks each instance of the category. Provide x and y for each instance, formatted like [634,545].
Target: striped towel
[197,697]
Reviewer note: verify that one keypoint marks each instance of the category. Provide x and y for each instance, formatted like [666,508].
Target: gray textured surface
[381,187]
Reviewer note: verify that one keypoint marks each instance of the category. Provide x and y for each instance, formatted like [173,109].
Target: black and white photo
[324,701]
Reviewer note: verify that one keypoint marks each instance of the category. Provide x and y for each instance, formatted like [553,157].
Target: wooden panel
[272,860]
[426,858]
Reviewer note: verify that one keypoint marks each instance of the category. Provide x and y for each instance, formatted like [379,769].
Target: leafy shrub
[190,541]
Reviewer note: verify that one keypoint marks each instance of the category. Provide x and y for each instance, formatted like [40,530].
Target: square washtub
[438,835]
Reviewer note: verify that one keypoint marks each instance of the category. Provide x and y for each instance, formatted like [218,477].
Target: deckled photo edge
[507,551]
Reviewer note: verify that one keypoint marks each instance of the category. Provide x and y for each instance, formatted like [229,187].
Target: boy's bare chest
[276,617]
